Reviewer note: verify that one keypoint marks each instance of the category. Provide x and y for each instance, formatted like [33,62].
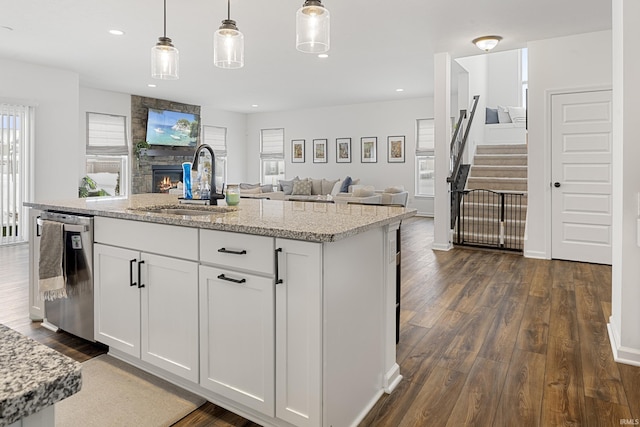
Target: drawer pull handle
[229,279]
[278,279]
[141,285]
[131,282]
[228,251]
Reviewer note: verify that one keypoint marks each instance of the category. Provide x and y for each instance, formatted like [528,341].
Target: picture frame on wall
[319,151]
[343,150]
[395,149]
[369,149]
[297,151]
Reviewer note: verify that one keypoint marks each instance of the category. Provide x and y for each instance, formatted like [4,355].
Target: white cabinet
[237,336]
[146,304]
[299,332]
[36,304]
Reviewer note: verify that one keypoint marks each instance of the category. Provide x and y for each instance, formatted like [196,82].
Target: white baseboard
[535,254]
[628,356]
[441,247]
[392,378]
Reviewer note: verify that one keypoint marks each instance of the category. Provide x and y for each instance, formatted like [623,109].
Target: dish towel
[52,282]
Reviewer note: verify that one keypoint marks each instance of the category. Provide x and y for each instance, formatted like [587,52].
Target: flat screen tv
[172,128]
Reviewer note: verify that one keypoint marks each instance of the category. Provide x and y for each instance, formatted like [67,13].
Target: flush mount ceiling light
[487,43]
[228,44]
[164,56]
[312,27]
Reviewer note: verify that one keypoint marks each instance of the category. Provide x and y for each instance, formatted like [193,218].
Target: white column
[442,122]
[623,323]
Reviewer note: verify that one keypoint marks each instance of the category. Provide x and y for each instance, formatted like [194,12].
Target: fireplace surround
[165,177]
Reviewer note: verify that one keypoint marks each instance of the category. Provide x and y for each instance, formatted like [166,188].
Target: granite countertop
[32,376]
[310,221]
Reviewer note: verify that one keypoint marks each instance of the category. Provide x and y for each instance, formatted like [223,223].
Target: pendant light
[164,56]
[312,27]
[228,44]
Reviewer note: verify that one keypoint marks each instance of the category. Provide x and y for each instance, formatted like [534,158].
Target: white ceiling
[377,46]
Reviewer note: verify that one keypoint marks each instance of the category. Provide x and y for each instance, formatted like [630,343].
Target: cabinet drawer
[237,250]
[171,240]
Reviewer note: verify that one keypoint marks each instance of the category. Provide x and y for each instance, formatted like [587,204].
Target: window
[16,161]
[425,157]
[107,157]
[271,155]
[216,137]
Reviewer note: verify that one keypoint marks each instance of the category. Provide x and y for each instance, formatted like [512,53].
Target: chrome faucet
[213,195]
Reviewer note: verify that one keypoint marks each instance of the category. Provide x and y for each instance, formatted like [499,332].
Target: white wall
[478,85]
[562,64]
[381,119]
[503,78]
[55,94]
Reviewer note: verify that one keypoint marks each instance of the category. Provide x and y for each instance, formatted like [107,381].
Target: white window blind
[106,134]
[216,137]
[425,140]
[272,143]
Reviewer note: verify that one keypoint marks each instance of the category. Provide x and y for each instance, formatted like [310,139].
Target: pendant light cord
[165,18]
[228,9]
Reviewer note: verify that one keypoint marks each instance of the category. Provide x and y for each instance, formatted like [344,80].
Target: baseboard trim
[535,254]
[441,247]
[628,356]
[392,378]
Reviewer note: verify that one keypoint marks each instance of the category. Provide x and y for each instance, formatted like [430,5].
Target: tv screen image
[172,128]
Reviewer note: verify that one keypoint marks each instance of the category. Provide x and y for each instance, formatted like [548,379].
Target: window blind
[272,143]
[425,140]
[106,134]
[216,137]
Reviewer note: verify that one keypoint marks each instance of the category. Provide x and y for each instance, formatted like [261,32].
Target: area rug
[116,394]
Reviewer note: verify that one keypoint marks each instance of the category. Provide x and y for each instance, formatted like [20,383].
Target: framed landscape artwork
[395,149]
[343,150]
[368,149]
[319,151]
[297,151]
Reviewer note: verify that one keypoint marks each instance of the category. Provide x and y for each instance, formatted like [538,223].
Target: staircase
[494,203]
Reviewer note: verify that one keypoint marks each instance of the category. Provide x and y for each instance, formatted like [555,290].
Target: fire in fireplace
[165,177]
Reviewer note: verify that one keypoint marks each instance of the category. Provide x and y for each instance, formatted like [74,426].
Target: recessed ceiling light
[4,27]
[323,55]
[116,32]
[399,90]
[151,85]
[254,105]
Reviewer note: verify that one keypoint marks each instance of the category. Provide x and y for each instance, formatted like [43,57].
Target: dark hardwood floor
[487,339]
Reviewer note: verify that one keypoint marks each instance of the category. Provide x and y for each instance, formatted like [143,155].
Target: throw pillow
[503,115]
[491,116]
[287,186]
[327,186]
[267,188]
[364,191]
[256,190]
[245,186]
[316,187]
[344,188]
[301,187]
[394,189]
[336,188]
[518,114]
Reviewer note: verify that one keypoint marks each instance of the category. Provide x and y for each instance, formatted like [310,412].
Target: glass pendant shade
[164,60]
[487,43]
[312,28]
[228,46]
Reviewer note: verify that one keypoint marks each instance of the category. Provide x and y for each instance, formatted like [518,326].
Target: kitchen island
[283,312]
[33,378]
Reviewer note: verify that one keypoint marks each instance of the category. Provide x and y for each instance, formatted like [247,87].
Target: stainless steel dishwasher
[73,314]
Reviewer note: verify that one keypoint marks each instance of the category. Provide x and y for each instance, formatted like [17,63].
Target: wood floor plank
[562,276]
[631,381]
[563,402]
[478,400]
[601,413]
[534,328]
[521,399]
[563,322]
[503,333]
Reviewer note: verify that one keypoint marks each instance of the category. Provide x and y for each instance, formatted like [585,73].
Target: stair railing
[458,145]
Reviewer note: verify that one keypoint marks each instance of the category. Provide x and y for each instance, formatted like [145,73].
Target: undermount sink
[184,211]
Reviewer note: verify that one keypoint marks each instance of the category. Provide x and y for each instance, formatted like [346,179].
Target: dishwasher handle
[72,228]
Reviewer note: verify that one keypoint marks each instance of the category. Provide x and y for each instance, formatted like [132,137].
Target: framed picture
[395,149]
[343,150]
[369,149]
[297,151]
[319,151]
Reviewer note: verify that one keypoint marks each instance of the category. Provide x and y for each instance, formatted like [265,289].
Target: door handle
[278,279]
[131,282]
[556,184]
[141,285]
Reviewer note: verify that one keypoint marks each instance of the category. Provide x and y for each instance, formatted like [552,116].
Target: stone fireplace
[165,177]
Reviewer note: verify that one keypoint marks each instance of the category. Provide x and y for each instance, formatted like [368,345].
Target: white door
[581,147]
[169,314]
[116,298]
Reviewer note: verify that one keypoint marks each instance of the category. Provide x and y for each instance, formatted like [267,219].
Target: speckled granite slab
[32,376]
[315,222]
